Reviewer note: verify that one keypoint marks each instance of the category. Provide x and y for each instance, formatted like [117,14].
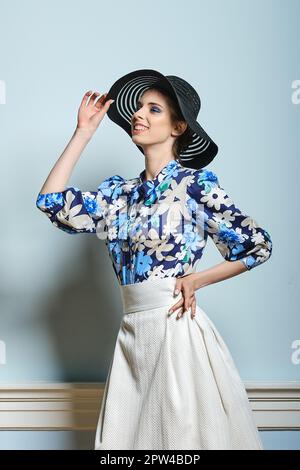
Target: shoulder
[202,182]
[111,181]
[204,175]
[108,186]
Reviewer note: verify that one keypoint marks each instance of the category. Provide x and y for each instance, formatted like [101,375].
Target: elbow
[260,254]
[266,247]
[49,202]
[40,202]
[51,205]
[253,252]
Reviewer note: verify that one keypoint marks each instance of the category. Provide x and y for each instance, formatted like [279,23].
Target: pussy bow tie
[150,191]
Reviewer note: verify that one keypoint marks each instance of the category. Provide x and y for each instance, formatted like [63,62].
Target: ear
[180,127]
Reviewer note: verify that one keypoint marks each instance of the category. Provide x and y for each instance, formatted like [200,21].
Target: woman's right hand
[91,114]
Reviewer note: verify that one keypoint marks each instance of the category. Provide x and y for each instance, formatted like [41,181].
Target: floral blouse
[158,228]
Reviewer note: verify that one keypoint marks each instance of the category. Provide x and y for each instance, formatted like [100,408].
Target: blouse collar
[151,189]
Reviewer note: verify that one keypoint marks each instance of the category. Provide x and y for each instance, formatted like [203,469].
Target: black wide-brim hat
[126,92]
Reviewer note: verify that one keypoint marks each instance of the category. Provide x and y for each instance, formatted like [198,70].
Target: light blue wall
[60,306]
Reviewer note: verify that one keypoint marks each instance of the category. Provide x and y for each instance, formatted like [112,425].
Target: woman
[171,384]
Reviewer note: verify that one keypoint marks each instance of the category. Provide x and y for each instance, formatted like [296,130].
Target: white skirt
[172,384]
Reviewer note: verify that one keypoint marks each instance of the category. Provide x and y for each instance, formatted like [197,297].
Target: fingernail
[176,292]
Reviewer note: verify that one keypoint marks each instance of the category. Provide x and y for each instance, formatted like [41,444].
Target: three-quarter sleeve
[75,211]
[236,235]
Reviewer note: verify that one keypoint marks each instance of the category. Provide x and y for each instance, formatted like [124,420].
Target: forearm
[63,168]
[218,273]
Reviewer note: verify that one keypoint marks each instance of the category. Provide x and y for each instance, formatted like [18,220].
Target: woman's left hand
[186,284]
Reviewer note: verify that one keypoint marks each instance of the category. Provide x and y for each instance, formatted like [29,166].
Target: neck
[155,161]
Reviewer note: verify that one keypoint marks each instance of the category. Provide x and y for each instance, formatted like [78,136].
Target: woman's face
[153,112]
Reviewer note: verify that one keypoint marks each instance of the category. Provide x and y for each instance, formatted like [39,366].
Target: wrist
[83,133]
[199,280]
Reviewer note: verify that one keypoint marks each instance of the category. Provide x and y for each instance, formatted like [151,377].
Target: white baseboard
[275,405]
[76,406]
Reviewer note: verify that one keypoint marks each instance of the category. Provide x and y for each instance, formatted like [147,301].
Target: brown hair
[182,141]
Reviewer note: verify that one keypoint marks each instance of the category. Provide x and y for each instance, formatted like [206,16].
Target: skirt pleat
[172,384]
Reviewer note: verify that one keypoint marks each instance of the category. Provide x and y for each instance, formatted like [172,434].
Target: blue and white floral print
[159,228]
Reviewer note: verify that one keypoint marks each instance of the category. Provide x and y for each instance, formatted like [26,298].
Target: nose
[138,115]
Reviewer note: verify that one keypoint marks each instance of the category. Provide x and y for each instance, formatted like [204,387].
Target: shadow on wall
[81,317]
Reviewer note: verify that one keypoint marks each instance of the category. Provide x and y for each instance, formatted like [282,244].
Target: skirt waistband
[152,293]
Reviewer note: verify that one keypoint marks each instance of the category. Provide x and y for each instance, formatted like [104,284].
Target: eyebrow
[139,102]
